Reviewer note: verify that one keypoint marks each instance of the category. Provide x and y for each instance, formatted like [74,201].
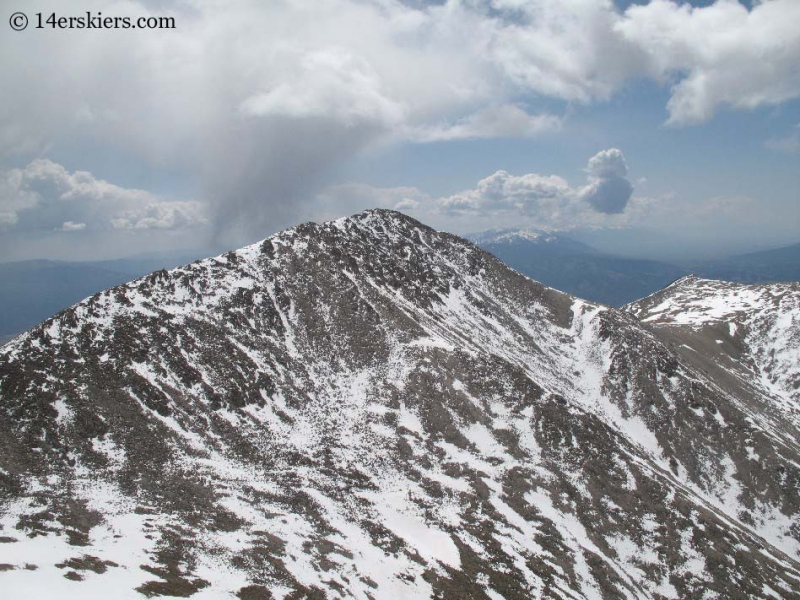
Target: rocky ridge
[369,408]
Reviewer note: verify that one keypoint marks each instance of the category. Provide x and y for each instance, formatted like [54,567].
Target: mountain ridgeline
[369,408]
[34,290]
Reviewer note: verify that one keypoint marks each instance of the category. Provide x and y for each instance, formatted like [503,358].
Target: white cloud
[45,196]
[502,191]
[565,50]
[382,61]
[504,121]
[328,83]
[261,100]
[608,196]
[72,226]
[549,200]
[14,198]
[607,163]
[718,55]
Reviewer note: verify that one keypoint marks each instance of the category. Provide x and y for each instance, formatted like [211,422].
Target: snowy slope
[368,408]
[757,326]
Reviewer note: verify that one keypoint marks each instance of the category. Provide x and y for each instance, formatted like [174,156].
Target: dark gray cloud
[608,190]
[609,195]
[264,172]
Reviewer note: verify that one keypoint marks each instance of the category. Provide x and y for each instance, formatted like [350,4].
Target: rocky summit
[369,408]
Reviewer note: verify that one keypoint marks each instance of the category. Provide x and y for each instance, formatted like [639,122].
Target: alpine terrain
[369,408]
[751,332]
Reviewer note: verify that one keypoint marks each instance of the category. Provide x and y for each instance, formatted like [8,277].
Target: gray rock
[369,408]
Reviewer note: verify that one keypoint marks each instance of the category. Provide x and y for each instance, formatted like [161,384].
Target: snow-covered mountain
[369,408]
[752,331]
[547,243]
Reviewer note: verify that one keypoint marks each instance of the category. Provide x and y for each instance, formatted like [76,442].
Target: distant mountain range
[577,268]
[780,264]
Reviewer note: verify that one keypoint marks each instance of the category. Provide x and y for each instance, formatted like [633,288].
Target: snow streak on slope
[758,325]
[368,408]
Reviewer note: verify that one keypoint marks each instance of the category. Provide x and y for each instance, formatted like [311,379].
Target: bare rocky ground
[368,408]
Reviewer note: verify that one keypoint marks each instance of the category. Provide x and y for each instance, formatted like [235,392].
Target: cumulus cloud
[609,195]
[607,164]
[717,55]
[45,196]
[608,190]
[549,200]
[502,191]
[263,100]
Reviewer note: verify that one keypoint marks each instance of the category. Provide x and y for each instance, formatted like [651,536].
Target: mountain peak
[373,408]
[377,223]
[381,216]
[685,280]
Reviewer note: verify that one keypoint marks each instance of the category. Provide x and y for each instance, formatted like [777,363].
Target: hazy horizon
[628,243]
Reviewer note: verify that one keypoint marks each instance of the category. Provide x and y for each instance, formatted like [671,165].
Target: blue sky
[658,129]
